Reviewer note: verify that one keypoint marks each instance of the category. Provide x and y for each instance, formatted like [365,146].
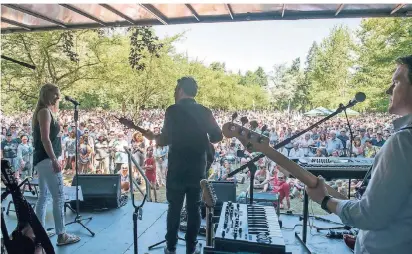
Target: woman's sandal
[68,239]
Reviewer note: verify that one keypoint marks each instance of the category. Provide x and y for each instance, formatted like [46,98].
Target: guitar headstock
[251,140]
[208,193]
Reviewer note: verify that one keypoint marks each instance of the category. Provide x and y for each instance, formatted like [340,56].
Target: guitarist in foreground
[384,213]
[188,128]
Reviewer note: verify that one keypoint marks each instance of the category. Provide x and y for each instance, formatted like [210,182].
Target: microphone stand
[78,219]
[350,132]
[251,164]
[137,214]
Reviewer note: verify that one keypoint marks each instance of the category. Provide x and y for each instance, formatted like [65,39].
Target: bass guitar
[29,236]
[255,142]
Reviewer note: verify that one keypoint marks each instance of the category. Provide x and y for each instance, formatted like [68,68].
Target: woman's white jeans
[50,183]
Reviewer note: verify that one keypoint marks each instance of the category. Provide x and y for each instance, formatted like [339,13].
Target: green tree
[381,42]
[332,69]
[261,76]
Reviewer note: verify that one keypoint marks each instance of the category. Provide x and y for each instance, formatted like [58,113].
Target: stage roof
[45,17]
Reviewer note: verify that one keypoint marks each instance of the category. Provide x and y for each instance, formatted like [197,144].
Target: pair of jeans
[50,184]
[175,196]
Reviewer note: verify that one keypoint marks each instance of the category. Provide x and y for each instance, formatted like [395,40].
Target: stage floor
[114,232]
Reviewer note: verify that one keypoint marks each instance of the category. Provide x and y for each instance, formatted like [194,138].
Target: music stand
[78,219]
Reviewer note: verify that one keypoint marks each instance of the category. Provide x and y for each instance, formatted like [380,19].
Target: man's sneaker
[169,251]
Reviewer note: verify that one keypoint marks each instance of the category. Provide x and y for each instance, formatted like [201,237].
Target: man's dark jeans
[175,196]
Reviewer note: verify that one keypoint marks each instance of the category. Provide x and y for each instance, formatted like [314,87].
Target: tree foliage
[130,69]
[381,42]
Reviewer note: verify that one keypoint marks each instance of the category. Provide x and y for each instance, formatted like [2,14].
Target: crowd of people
[102,138]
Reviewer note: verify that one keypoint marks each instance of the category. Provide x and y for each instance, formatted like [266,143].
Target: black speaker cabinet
[99,191]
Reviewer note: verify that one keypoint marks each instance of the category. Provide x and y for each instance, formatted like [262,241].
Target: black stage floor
[114,232]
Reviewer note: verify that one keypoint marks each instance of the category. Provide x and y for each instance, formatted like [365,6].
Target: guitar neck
[290,167]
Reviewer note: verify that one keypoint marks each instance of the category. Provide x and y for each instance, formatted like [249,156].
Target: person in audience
[160,155]
[296,151]
[150,170]
[357,148]
[124,178]
[281,187]
[305,145]
[333,144]
[9,152]
[370,150]
[120,155]
[102,154]
[262,179]
[24,157]
[84,155]
[378,141]
[319,153]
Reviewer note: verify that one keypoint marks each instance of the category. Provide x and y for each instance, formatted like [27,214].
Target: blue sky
[247,45]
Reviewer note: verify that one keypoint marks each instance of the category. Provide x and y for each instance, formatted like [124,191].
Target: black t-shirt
[9,148]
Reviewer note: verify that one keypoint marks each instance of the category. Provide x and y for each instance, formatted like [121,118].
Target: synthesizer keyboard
[249,228]
[337,167]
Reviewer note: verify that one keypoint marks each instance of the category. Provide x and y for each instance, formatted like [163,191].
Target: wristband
[325,202]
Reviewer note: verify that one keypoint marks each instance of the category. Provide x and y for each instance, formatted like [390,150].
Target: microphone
[68,98]
[359,97]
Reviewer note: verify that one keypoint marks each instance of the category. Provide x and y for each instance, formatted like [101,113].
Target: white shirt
[296,153]
[306,144]
[384,214]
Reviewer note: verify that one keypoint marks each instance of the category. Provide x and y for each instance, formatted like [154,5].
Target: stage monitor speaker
[99,191]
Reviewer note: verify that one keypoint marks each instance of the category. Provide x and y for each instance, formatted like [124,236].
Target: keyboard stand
[302,238]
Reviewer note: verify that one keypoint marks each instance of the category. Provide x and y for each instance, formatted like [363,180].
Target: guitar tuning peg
[254,125]
[264,128]
[244,120]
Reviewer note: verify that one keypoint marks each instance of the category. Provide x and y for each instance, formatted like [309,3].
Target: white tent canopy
[319,111]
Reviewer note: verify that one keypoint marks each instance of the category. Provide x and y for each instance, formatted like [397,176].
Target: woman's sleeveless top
[55,138]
